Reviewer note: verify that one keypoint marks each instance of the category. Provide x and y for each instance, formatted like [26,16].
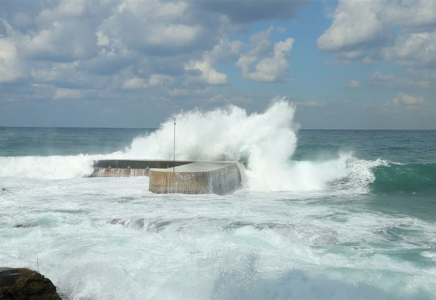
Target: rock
[24,225]
[25,284]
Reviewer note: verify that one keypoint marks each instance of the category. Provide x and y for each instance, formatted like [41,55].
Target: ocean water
[325,214]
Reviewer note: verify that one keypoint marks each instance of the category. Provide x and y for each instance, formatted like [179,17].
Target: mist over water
[325,214]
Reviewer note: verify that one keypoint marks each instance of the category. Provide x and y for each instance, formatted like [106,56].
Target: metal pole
[174,153]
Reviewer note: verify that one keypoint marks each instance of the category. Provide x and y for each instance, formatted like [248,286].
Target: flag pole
[174,153]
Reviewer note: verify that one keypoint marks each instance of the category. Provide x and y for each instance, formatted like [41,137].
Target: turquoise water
[351,215]
[23,141]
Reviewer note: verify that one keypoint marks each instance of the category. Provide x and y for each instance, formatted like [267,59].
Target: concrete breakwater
[183,177]
[131,168]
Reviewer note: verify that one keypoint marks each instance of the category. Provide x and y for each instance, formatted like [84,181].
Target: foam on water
[324,235]
[109,238]
[51,167]
[264,142]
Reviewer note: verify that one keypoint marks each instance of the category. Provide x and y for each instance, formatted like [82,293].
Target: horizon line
[331,129]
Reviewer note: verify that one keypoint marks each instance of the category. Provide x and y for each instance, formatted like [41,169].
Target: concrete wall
[129,168]
[139,164]
[113,172]
[221,181]
[182,177]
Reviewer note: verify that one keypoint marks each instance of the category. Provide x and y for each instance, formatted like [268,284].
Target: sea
[323,214]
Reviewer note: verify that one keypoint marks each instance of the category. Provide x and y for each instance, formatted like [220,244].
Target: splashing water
[263,142]
[351,226]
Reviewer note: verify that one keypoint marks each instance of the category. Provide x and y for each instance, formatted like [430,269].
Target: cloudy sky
[133,63]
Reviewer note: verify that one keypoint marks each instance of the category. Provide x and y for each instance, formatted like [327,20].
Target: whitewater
[323,214]
[264,143]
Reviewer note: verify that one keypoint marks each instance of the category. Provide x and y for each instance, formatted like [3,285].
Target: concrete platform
[183,177]
[131,168]
[196,178]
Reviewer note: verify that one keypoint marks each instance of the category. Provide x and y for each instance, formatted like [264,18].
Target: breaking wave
[404,178]
[263,142]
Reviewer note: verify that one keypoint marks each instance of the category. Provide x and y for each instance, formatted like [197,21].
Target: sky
[345,64]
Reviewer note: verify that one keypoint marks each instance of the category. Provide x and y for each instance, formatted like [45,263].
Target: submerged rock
[25,284]
[24,225]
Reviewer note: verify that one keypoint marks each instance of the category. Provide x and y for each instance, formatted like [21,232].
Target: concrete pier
[183,177]
[131,168]
[196,178]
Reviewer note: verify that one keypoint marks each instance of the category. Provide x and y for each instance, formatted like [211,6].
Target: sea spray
[263,142]
[48,167]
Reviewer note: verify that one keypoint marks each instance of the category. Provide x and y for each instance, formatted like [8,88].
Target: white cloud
[207,74]
[106,46]
[9,64]
[160,80]
[404,99]
[281,29]
[63,31]
[102,39]
[272,68]
[409,99]
[173,35]
[353,84]
[155,80]
[204,92]
[157,27]
[224,51]
[61,42]
[414,15]
[413,50]
[62,93]
[348,30]
[171,10]
[204,71]
[399,31]
[135,83]
[66,9]
[421,80]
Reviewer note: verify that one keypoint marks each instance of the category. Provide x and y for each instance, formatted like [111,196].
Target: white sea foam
[264,142]
[110,238]
[50,167]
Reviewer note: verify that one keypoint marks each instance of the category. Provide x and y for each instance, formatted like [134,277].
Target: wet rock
[24,225]
[25,284]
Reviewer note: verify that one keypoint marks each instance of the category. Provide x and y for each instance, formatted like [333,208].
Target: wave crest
[404,178]
[263,142]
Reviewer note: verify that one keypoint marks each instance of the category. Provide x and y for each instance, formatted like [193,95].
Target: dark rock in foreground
[25,284]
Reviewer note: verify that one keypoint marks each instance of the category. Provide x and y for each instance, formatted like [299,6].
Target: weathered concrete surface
[25,284]
[196,178]
[183,177]
[131,168]
[138,164]
[112,172]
